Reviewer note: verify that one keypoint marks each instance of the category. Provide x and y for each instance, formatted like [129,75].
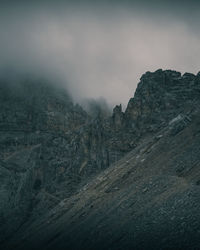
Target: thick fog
[98,50]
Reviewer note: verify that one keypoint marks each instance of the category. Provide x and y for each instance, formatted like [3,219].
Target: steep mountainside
[51,149]
[150,199]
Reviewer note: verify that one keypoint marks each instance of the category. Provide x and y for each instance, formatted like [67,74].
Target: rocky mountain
[70,180]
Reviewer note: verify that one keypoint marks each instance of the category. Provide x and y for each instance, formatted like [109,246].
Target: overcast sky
[99,49]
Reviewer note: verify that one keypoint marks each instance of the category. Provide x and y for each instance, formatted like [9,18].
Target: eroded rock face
[118,117]
[160,96]
[51,147]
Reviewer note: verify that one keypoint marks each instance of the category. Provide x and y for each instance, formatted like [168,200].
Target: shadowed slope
[51,149]
[147,200]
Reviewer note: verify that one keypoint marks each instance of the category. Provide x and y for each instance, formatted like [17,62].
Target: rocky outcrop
[118,117]
[160,96]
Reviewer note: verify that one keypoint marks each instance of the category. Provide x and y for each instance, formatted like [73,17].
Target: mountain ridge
[63,150]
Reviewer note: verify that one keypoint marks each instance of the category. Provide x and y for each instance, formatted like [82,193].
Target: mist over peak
[97,107]
[95,49]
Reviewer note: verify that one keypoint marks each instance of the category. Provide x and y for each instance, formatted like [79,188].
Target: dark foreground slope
[150,199]
[51,149]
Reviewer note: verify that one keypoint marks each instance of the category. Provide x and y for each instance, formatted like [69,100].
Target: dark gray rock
[51,149]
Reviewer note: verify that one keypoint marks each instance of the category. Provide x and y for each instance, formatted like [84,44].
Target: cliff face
[160,96]
[50,147]
[36,125]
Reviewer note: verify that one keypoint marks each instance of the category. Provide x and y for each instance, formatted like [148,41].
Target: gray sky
[99,49]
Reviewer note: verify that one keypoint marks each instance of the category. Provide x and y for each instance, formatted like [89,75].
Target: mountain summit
[70,180]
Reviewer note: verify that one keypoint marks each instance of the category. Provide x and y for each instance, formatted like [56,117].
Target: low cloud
[97,51]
